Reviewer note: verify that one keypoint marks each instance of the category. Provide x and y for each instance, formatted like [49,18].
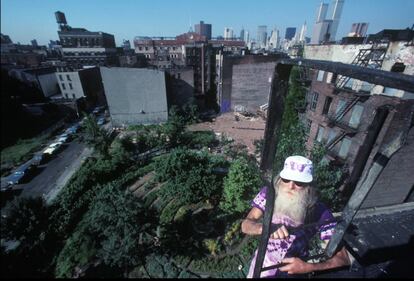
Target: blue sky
[24,20]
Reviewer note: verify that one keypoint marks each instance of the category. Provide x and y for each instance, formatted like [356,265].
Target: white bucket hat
[297,168]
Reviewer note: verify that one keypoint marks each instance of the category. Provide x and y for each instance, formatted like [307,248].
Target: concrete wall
[135,96]
[49,84]
[251,85]
[244,80]
[180,86]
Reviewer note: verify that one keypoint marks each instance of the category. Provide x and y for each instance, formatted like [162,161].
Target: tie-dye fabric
[296,245]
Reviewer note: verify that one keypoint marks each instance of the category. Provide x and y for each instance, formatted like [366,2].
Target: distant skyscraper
[336,16]
[246,37]
[325,30]
[261,36]
[242,34]
[302,33]
[274,39]
[321,15]
[228,33]
[34,43]
[203,29]
[359,29]
[290,33]
[126,44]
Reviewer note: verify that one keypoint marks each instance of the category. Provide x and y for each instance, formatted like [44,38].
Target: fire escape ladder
[347,107]
[372,57]
[336,139]
[304,77]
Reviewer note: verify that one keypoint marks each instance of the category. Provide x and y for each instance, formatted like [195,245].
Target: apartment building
[351,118]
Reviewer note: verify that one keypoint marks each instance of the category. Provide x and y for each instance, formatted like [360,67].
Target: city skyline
[25,20]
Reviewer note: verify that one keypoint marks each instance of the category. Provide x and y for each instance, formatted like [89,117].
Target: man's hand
[295,266]
[280,233]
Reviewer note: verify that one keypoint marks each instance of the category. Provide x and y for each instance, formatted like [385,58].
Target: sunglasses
[297,183]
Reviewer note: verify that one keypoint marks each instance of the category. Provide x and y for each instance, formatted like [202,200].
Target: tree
[241,183]
[96,136]
[327,178]
[175,126]
[116,219]
[28,223]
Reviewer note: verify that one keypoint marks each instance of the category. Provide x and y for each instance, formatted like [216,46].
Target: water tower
[61,20]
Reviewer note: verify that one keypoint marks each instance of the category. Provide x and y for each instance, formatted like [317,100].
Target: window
[329,77]
[343,151]
[66,95]
[356,115]
[327,105]
[73,95]
[140,48]
[314,101]
[390,91]
[349,83]
[70,86]
[331,135]
[60,77]
[340,106]
[319,135]
[63,86]
[179,75]
[334,77]
[320,75]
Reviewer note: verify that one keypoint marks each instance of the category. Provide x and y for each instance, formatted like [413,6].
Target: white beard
[292,206]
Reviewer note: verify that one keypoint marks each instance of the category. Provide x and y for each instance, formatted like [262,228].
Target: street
[50,177]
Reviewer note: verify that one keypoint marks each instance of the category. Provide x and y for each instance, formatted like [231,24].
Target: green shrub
[228,263]
[212,245]
[198,139]
[232,233]
[240,185]
[149,198]
[190,176]
[79,249]
[168,213]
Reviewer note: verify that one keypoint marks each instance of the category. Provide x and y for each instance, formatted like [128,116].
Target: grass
[20,152]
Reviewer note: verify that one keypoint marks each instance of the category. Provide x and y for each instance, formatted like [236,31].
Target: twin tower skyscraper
[324,29]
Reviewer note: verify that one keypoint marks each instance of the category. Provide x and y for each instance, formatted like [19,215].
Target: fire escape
[372,58]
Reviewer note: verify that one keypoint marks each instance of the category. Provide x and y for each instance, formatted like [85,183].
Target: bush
[168,213]
[232,233]
[190,176]
[199,139]
[240,185]
[212,245]
[79,249]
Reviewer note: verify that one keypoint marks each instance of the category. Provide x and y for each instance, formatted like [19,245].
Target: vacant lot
[241,129]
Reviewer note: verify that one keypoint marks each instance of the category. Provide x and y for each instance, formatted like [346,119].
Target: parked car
[74,129]
[63,138]
[52,148]
[101,121]
[22,173]
[5,185]
[38,159]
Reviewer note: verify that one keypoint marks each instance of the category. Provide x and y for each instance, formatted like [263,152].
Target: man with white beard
[295,205]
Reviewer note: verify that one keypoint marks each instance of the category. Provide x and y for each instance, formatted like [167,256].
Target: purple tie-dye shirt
[296,245]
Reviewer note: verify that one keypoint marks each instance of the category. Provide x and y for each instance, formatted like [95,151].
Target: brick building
[81,47]
[352,118]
